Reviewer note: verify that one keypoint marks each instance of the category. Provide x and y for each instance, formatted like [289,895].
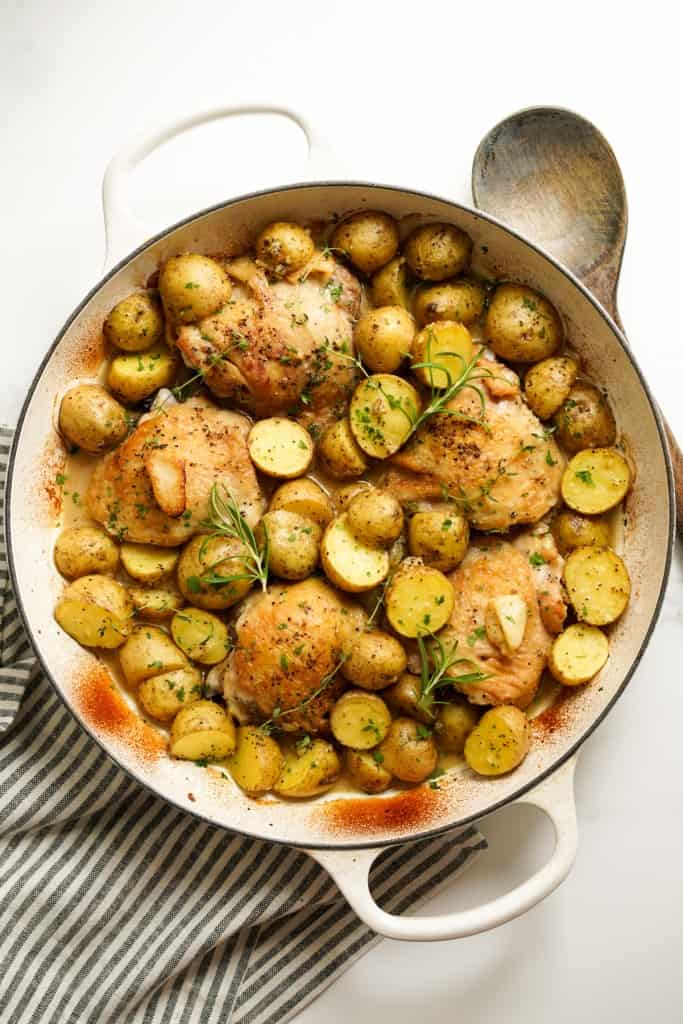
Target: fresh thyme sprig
[436,663]
[278,713]
[226,520]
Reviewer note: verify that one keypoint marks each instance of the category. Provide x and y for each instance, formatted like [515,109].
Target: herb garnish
[436,663]
[226,520]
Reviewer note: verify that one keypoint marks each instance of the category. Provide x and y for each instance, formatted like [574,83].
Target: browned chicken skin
[194,443]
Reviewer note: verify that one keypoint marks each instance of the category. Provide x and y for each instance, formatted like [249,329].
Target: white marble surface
[404,94]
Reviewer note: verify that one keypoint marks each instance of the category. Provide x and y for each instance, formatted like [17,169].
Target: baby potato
[147,563]
[96,611]
[440,539]
[308,771]
[280,447]
[377,660]
[202,562]
[595,480]
[360,719]
[147,652]
[202,732]
[522,325]
[547,384]
[83,550]
[375,517]
[437,251]
[418,600]
[598,585]
[384,337]
[578,654]
[366,770]
[390,285]
[347,562]
[293,544]
[382,411]
[499,742]
[193,287]
[449,345]
[155,604]
[163,696]
[203,637]
[257,761]
[135,323]
[574,530]
[348,492]
[461,299]
[306,498]
[409,751]
[284,247]
[91,419]
[454,723]
[585,420]
[404,699]
[369,239]
[137,375]
[338,452]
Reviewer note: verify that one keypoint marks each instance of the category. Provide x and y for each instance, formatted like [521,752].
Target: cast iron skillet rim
[441,829]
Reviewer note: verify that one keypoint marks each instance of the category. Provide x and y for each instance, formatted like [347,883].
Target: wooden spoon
[553,177]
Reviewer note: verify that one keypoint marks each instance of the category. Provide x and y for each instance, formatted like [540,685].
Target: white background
[403,93]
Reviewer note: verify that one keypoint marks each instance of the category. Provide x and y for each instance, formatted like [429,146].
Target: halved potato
[147,563]
[84,550]
[203,637]
[96,611]
[598,584]
[419,599]
[596,480]
[148,652]
[578,654]
[280,447]
[366,770]
[448,345]
[499,742]
[307,771]
[163,696]
[155,603]
[348,563]
[306,498]
[382,413]
[360,719]
[137,375]
[339,454]
[257,762]
[202,732]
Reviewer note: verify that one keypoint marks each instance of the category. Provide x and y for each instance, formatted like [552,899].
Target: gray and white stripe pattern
[116,907]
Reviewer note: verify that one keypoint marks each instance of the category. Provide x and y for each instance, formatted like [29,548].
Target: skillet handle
[124,231]
[350,869]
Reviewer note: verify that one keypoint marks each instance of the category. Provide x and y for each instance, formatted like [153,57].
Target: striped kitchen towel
[116,908]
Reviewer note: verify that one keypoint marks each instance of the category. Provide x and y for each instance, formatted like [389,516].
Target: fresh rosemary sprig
[226,520]
[441,397]
[278,713]
[435,670]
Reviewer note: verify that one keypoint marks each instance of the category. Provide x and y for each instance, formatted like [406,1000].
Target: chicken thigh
[501,473]
[289,640]
[154,488]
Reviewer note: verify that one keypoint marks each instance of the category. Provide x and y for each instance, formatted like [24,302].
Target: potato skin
[574,530]
[83,550]
[366,770]
[369,239]
[193,287]
[135,323]
[155,604]
[435,252]
[284,246]
[390,285]
[216,554]
[257,762]
[308,772]
[522,325]
[585,420]
[134,376]
[339,453]
[293,543]
[459,299]
[499,742]
[547,384]
[440,539]
[404,699]
[95,610]
[454,723]
[375,517]
[306,498]
[409,752]
[202,731]
[376,661]
[384,337]
[91,419]
[163,696]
